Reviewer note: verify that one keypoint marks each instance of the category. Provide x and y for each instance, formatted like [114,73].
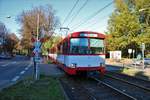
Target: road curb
[62,89]
[8,85]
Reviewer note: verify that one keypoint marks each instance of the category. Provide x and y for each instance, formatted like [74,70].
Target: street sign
[37,50]
[36,53]
[37,44]
[37,59]
[143,46]
[130,51]
[133,51]
[33,39]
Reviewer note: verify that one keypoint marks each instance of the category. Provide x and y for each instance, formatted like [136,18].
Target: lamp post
[8,17]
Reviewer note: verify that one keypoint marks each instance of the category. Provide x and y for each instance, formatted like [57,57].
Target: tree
[3,29]
[18,47]
[52,41]
[11,42]
[124,26]
[29,20]
[3,33]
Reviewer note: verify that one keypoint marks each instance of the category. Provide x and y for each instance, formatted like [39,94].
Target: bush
[148,56]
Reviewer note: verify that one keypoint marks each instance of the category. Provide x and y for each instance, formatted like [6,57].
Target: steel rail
[111,72]
[142,87]
[101,82]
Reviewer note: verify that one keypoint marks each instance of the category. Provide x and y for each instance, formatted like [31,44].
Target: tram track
[75,91]
[91,89]
[113,88]
[138,82]
[138,92]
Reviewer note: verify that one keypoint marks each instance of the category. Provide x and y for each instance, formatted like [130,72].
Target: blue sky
[62,7]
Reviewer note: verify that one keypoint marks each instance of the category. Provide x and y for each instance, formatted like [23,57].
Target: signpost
[37,58]
[143,48]
[37,45]
[129,51]
[37,50]
[133,53]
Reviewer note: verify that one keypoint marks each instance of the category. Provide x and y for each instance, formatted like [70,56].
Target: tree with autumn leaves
[11,43]
[28,20]
[8,41]
[129,26]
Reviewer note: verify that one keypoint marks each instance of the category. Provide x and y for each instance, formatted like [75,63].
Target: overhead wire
[95,22]
[100,26]
[92,16]
[70,12]
[79,10]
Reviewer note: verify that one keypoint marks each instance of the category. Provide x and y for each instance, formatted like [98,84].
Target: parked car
[5,56]
[147,61]
[139,62]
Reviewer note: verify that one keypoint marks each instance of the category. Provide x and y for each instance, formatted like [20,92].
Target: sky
[97,23]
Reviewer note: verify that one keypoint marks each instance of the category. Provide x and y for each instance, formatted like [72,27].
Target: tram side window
[74,47]
[65,47]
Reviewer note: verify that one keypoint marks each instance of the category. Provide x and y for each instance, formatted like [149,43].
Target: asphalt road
[12,70]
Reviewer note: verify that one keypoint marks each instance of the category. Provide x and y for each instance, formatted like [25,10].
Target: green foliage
[126,31]
[148,56]
[50,43]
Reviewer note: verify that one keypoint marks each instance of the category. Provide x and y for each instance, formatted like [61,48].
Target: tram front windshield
[86,46]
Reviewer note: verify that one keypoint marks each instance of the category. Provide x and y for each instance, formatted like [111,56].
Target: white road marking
[26,68]
[14,62]
[30,65]
[8,64]
[15,78]
[5,65]
[22,72]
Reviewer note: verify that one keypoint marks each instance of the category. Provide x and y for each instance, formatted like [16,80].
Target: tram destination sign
[88,35]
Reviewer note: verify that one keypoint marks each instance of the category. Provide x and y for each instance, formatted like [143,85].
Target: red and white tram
[80,52]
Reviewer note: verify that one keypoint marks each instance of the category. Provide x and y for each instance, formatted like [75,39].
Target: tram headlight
[73,65]
[102,64]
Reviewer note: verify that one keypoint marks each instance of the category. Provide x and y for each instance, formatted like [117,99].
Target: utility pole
[37,39]
[36,51]
[38,20]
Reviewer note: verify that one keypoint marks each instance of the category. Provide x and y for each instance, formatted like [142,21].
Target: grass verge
[136,73]
[47,88]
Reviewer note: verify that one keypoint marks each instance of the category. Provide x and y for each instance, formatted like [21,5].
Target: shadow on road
[141,75]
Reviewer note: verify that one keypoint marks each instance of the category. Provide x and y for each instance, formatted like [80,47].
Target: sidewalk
[51,70]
